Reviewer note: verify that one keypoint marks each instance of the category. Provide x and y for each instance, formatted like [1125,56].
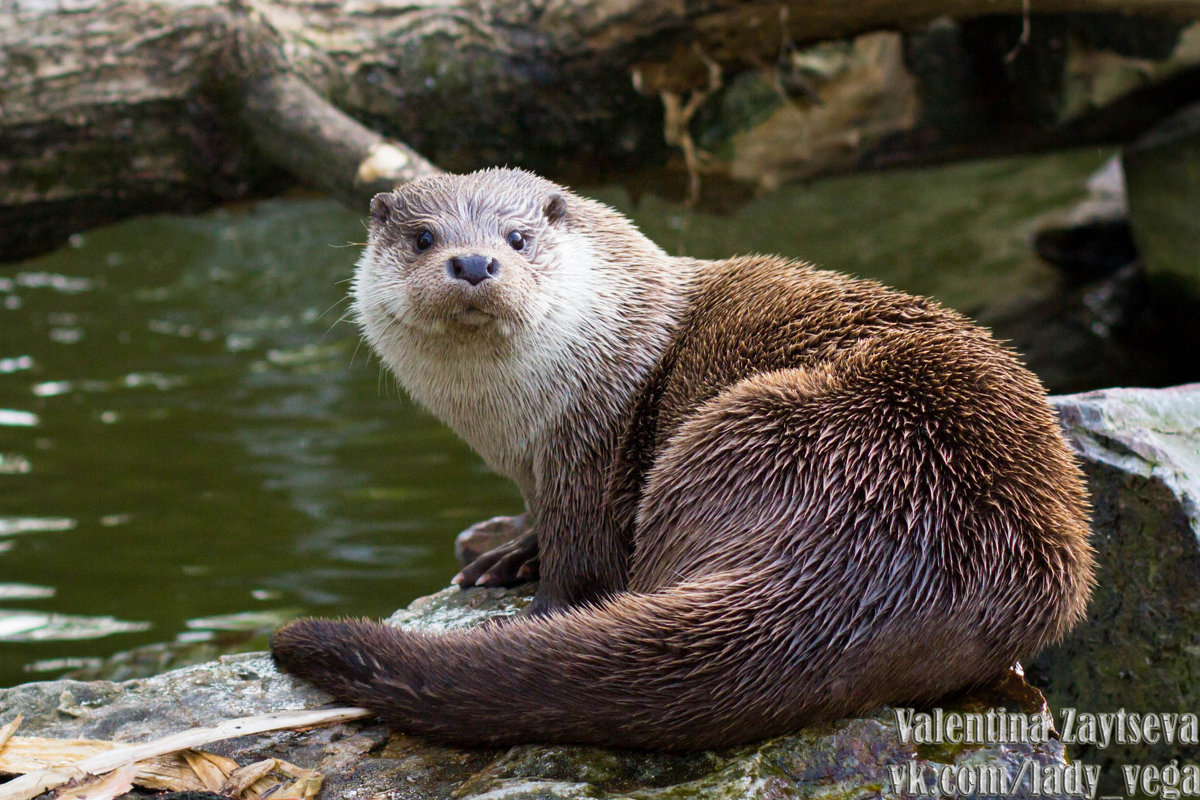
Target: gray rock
[1140,646]
[360,760]
[1138,650]
[1092,238]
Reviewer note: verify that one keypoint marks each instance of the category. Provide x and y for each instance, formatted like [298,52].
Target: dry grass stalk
[167,763]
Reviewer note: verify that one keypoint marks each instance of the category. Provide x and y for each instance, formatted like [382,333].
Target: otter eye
[423,240]
[516,241]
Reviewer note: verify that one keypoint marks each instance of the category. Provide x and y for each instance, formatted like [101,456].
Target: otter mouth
[468,322]
[473,317]
[466,317]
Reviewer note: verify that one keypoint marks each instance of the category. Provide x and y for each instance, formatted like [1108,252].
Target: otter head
[465,256]
[502,302]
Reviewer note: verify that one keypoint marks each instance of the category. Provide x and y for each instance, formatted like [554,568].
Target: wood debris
[7,731]
[96,769]
[95,787]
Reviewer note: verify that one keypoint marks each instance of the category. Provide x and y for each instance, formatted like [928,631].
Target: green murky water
[191,441]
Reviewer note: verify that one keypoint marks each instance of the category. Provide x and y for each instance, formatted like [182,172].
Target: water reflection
[33,626]
[14,418]
[183,428]
[10,526]
[25,591]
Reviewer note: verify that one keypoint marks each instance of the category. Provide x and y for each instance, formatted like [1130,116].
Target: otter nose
[473,269]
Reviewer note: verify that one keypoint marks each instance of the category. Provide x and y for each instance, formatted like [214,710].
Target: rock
[1138,650]
[1061,69]
[1091,239]
[1111,321]
[816,112]
[1078,337]
[950,89]
[851,758]
[1162,172]
[1140,646]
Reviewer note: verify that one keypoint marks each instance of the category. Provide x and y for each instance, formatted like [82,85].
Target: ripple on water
[38,626]
[66,335]
[13,418]
[14,464]
[67,284]
[11,526]
[17,364]
[25,591]
[134,380]
[243,621]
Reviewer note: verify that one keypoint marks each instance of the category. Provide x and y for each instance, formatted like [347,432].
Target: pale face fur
[502,361]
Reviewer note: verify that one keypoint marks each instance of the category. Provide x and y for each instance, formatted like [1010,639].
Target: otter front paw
[488,535]
[509,564]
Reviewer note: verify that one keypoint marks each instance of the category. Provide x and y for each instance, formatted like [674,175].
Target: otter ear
[385,206]
[555,209]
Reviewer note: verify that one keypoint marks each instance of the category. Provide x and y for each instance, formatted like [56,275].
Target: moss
[743,103]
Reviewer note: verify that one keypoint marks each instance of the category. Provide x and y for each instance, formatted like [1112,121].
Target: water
[190,441]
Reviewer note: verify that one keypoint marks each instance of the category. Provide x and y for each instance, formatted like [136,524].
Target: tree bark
[110,108]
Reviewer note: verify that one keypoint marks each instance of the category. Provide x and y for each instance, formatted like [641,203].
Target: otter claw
[487,537]
[507,565]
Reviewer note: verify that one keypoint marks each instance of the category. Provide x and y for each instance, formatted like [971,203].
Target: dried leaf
[306,783]
[243,778]
[8,730]
[210,771]
[26,754]
[301,789]
[94,787]
[112,756]
[276,780]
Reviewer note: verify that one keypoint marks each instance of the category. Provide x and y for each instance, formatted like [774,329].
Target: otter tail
[684,668]
[705,663]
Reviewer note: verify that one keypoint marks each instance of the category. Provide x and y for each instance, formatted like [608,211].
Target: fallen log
[115,107]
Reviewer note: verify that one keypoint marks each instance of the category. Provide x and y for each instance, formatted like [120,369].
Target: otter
[760,495]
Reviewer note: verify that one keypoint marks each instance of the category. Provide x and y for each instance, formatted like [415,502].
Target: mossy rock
[851,758]
[1140,646]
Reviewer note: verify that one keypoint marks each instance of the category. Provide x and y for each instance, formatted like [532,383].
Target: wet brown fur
[819,496]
